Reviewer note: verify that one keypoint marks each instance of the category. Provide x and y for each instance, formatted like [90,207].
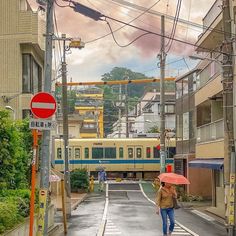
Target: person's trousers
[170,213]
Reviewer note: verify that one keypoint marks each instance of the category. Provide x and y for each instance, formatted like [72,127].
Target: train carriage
[138,158]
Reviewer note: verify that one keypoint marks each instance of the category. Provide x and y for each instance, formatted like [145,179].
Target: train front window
[77,153]
[130,152]
[86,153]
[59,153]
[69,153]
[97,153]
[156,152]
[110,153]
[121,152]
[138,152]
[148,152]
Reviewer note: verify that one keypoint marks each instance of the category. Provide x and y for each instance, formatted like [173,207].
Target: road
[130,213]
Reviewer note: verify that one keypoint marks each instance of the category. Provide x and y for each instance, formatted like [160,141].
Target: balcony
[212,14]
[210,132]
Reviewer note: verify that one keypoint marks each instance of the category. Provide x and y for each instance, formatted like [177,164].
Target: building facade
[209,110]
[22,55]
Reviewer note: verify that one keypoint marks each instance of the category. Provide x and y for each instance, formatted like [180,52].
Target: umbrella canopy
[173,178]
[100,168]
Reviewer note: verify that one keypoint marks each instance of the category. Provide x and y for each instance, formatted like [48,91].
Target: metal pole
[120,104]
[65,129]
[45,159]
[127,110]
[229,149]
[162,97]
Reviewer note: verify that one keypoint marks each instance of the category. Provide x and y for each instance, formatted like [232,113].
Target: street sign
[43,105]
[42,124]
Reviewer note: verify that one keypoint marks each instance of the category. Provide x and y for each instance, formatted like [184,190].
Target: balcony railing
[211,131]
[212,14]
[211,71]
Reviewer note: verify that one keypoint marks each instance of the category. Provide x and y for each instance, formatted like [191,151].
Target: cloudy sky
[100,56]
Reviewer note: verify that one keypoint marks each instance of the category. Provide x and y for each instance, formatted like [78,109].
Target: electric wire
[112,32]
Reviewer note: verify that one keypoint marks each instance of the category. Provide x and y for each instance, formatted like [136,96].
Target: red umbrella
[173,178]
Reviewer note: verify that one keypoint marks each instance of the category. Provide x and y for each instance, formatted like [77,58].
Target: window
[86,153]
[70,153]
[121,152]
[110,153]
[97,153]
[130,153]
[31,75]
[186,126]
[185,86]
[170,108]
[171,151]
[178,89]
[59,153]
[156,152]
[148,152]
[26,113]
[77,153]
[138,152]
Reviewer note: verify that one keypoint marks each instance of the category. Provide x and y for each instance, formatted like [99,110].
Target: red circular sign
[43,105]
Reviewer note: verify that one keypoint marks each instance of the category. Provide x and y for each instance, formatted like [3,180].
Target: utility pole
[45,158]
[127,110]
[65,128]
[162,57]
[120,104]
[229,148]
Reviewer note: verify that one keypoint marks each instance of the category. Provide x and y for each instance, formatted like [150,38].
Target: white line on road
[203,215]
[120,190]
[185,228]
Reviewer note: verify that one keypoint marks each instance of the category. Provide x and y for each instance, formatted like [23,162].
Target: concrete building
[22,55]
[209,112]
[89,106]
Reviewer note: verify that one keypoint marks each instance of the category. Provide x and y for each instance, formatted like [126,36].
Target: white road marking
[203,215]
[120,190]
[190,232]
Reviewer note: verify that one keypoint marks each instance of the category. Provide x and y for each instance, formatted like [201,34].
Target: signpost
[43,106]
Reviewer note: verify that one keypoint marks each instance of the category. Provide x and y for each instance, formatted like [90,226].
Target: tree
[154,129]
[15,147]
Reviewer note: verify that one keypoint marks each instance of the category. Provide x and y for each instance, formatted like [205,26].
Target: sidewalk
[76,199]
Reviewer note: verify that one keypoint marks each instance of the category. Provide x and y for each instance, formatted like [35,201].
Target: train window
[69,153]
[86,153]
[77,153]
[148,152]
[138,152]
[130,152]
[110,153]
[59,153]
[121,152]
[97,153]
[156,152]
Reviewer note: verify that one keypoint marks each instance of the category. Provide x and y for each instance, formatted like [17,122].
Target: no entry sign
[43,105]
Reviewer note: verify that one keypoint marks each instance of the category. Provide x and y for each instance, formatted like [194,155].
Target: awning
[216,164]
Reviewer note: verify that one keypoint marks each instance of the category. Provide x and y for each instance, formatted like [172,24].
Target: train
[121,158]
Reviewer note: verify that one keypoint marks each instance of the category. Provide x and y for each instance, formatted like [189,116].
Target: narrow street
[130,212]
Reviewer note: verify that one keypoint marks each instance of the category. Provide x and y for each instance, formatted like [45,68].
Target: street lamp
[11,109]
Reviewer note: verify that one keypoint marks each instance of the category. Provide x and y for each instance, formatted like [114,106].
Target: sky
[100,56]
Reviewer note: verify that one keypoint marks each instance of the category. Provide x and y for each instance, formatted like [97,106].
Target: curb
[55,229]
[75,205]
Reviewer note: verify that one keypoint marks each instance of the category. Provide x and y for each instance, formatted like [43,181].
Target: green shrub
[79,179]
[9,215]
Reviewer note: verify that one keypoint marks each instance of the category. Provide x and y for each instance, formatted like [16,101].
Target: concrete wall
[210,149]
[23,229]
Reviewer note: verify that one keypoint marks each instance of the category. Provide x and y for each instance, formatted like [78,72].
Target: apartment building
[22,55]
[209,150]
[89,106]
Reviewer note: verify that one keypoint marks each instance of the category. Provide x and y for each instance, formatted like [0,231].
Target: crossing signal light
[158,147]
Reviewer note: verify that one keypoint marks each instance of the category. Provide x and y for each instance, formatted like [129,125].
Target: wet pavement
[131,214]
[86,218]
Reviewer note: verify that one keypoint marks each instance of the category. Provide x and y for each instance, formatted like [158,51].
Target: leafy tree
[154,129]
[79,179]
[15,146]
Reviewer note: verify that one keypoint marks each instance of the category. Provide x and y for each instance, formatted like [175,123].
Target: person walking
[102,177]
[165,206]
